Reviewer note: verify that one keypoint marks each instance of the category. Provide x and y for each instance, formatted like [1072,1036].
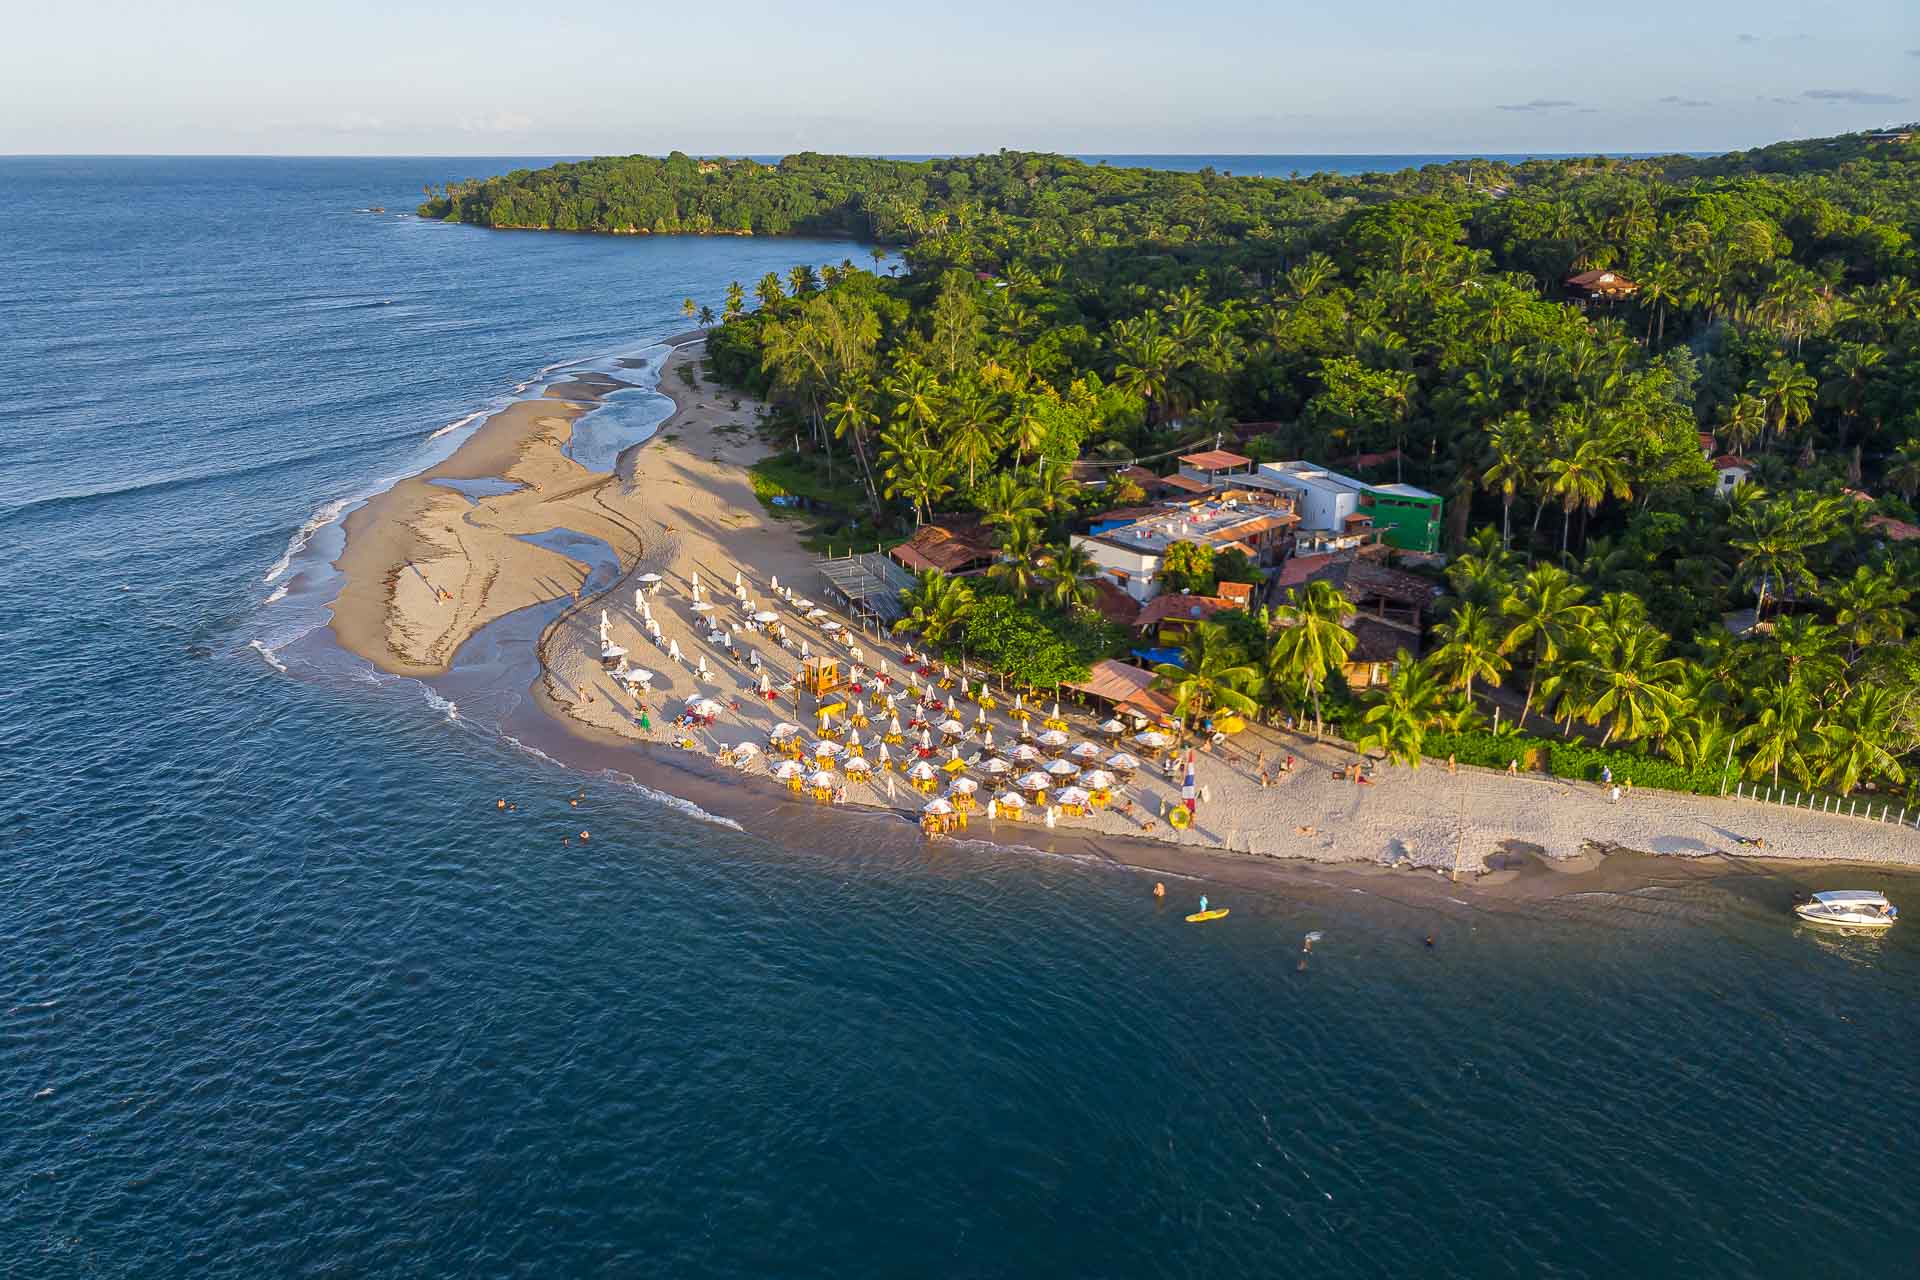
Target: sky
[406,77]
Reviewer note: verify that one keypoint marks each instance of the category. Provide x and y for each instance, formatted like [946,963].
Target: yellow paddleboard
[1201,917]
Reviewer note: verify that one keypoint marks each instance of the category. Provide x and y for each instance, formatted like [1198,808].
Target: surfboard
[1201,917]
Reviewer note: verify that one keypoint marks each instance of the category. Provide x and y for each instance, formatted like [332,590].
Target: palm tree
[1070,569]
[1744,423]
[1773,538]
[1514,447]
[706,317]
[688,306]
[1213,673]
[853,417]
[1632,682]
[1312,640]
[1660,287]
[970,430]
[1871,608]
[1779,733]
[1016,566]
[1585,477]
[1788,391]
[936,605]
[1545,611]
[736,301]
[1003,501]
[1855,741]
[1146,363]
[1397,721]
[1852,367]
[915,471]
[1469,650]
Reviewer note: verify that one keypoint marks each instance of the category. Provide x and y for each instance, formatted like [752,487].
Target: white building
[1130,555]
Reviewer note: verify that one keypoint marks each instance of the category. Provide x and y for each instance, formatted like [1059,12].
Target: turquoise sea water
[282,992]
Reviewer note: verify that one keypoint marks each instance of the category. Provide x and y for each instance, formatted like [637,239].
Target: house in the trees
[1601,285]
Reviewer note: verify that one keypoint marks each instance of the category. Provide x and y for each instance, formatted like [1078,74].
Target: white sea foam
[457,424]
[685,806]
[273,659]
[279,593]
[446,706]
[322,516]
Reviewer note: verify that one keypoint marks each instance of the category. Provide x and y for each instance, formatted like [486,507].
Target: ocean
[282,991]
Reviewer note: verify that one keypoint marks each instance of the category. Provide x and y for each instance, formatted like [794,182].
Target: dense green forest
[1045,311]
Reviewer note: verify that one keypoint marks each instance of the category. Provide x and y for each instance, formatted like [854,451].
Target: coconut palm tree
[1016,566]
[1632,682]
[916,471]
[706,317]
[1070,570]
[1788,391]
[970,434]
[1213,673]
[1514,444]
[1469,650]
[1545,611]
[1410,701]
[1855,738]
[936,606]
[736,303]
[1871,608]
[1311,642]
[688,307]
[1780,733]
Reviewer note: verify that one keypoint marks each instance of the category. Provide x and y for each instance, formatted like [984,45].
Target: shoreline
[678,503]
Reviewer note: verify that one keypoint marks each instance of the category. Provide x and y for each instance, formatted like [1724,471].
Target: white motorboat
[1848,909]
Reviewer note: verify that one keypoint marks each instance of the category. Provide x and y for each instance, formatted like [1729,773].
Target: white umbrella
[986,739]
[952,727]
[673,650]
[700,668]
[1070,795]
[805,652]
[963,786]
[766,615]
[1034,781]
[826,749]
[704,706]
[746,749]
[1153,738]
[822,779]
[781,732]
[979,715]
[853,741]
[1026,752]
[1085,751]
[736,578]
[1063,768]
[926,740]
[1098,779]
[937,806]
[788,769]
[1122,761]
[696,581]
[922,772]
[829,625]
[1055,713]
[701,606]
[963,685]
[766,685]
[638,675]
[648,578]
[881,755]
[893,725]
[994,767]
[1054,738]
[1010,800]
[773,583]
[803,604]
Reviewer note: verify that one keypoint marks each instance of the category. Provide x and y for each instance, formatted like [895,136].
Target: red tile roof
[1897,530]
[1124,685]
[1113,604]
[1726,460]
[1187,483]
[1183,607]
[932,547]
[1215,460]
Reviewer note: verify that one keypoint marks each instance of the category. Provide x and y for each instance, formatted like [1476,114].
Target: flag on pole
[1189,793]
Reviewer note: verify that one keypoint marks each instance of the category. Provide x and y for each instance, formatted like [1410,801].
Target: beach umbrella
[702,706]
[853,741]
[965,690]
[648,578]
[1123,762]
[986,739]
[822,780]
[922,772]
[1054,738]
[696,582]
[1033,781]
[926,740]
[1098,779]
[736,578]
[963,786]
[1026,753]
[1010,800]
[786,769]
[1071,795]
[673,650]
[952,727]
[700,668]
[1113,726]
[773,583]
[994,767]
[805,652]
[1063,768]
[1019,701]
[881,754]
[700,606]
[1152,739]
[829,626]
[746,749]
[893,724]
[860,707]
[766,615]
[1085,751]
[781,732]
[826,750]
[637,675]
[979,715]
[937,807]
[1055,713]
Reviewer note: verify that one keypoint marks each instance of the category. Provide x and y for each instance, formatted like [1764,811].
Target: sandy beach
[428,566]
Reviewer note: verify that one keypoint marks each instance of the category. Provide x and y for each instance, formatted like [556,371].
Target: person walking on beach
[1615,794]
[1513,768]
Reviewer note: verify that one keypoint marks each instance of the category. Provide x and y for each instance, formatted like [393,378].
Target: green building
[1407,517]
